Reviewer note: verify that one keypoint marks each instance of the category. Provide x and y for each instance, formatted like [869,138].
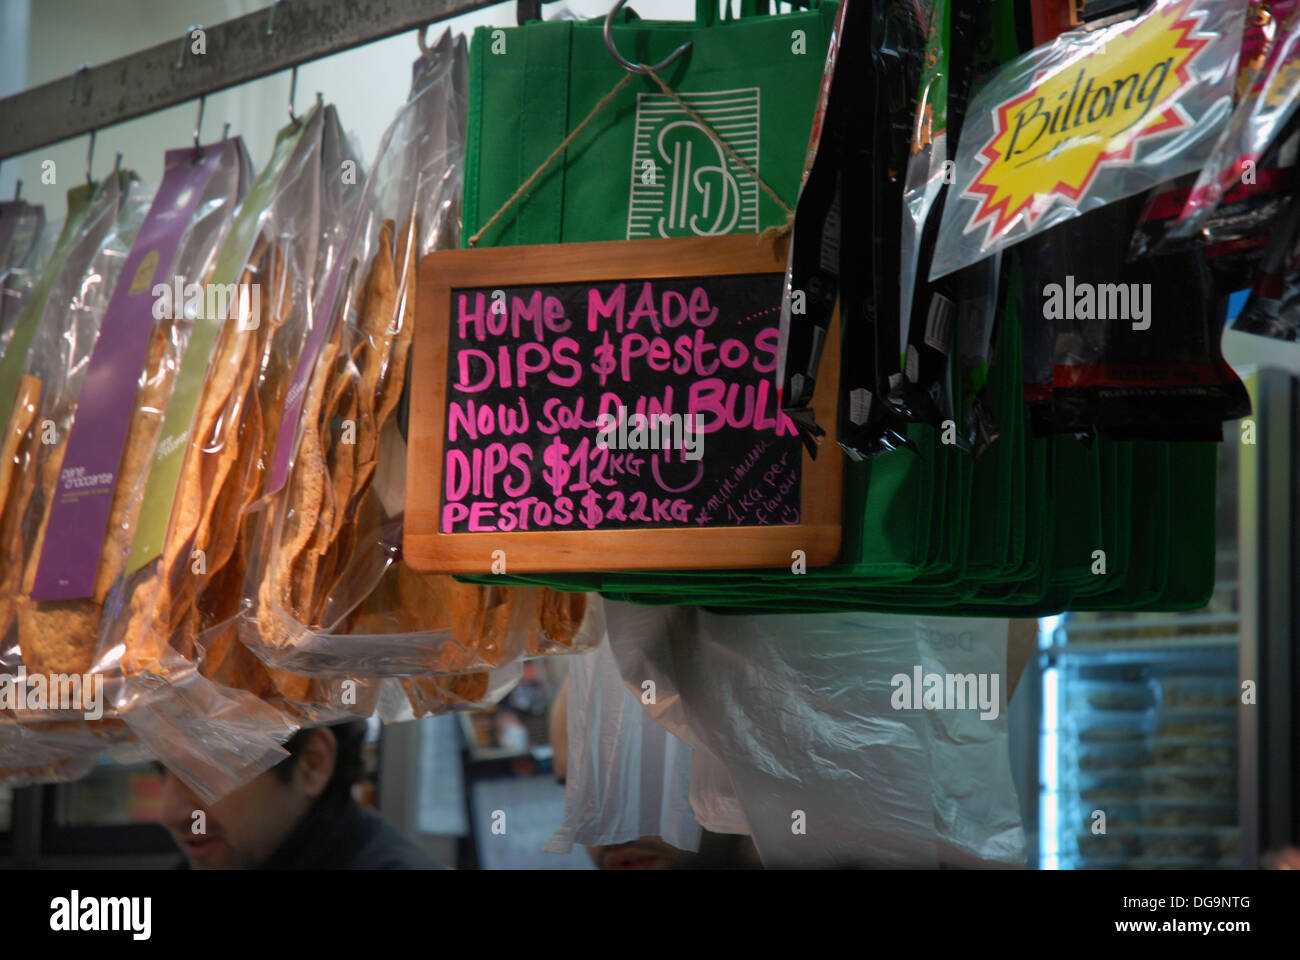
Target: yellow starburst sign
[1114,90]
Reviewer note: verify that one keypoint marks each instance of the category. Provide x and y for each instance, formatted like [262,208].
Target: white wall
[13,72]
[42,40]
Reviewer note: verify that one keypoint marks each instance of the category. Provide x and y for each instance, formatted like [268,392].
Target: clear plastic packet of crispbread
[432,696]
[331,596]
[218,650]
[22,230]
[92,213]
[53,752]
[206,706]
[125,372]
[121,352]
[50,695]
[59,340]
[34,750]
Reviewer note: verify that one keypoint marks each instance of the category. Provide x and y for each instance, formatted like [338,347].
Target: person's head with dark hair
[247,826]
[349,738]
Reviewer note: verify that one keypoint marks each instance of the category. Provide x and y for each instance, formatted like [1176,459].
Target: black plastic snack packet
[1274,306]
[1245,170]
[1076,254]
[896,49]
[1232,203]
[837,188]
[925,391]
[1236,234]
[1135,345]
[867,426]
[812,270]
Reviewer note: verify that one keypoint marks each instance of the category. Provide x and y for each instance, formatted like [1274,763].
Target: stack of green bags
[1030,527]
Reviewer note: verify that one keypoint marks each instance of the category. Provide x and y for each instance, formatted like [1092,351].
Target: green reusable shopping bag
[1114,542]
[1193,530]
[990,514]
[1076,508]
[642,167]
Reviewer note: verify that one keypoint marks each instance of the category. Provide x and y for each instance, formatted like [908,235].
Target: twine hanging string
[601,105]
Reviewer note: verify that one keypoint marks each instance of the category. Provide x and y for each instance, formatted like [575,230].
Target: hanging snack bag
[1134,347]
[63,731]
[826,260]
[898,48]
[1091,118]
[813,268]
[22,226]
[331,595]
[193,602]
[189,689]
[1236,233]
[1238,173]
[955,312]
[1231,206]
[1273,309]
[49,350]
[112,408]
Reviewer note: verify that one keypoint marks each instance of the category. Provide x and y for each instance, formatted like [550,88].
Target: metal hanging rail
[278,37]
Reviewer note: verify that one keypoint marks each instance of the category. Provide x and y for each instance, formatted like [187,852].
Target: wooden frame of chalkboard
[762,496]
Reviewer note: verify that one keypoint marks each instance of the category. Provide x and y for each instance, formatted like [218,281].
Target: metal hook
[18,191]
[76,82]
[198,125]
[90,156]
[270,18]
[180,57]
[526,10]
[421,39]
[293,90]
[626,64]
[225,130]
[117,163]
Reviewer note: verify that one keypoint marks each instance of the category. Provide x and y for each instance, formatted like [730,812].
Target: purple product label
[83,496]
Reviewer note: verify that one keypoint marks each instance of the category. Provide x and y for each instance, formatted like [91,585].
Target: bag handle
[706,11]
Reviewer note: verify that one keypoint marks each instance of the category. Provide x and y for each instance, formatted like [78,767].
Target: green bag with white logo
[642,167]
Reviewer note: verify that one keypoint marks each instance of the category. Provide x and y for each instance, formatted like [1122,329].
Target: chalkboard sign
[608,407]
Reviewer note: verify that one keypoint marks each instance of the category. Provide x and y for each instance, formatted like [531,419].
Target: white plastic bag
[627,776]
[799,710]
